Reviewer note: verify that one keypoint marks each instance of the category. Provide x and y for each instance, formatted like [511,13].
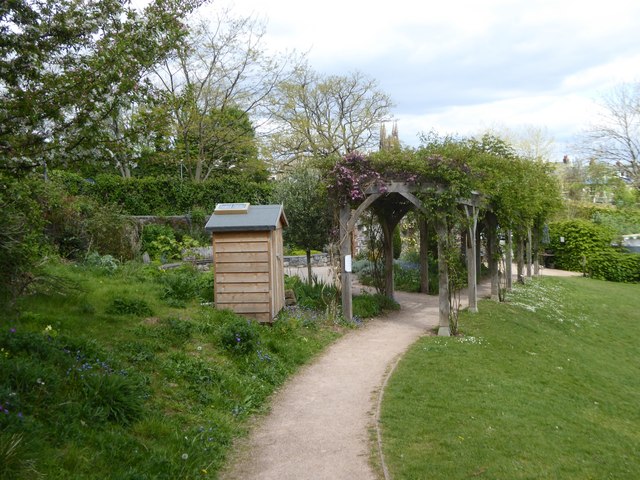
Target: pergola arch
[389,190]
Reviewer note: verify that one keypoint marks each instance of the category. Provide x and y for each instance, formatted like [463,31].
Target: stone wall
[317,260]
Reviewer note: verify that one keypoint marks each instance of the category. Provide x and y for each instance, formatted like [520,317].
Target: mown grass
[123,374]
[544,386]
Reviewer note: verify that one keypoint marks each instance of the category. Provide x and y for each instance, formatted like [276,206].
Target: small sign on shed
[248,258]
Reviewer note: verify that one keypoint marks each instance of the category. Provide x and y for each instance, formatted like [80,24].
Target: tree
[70,67]
[324,116]
[215,88]
[306,205]
[616,138]
[528,141]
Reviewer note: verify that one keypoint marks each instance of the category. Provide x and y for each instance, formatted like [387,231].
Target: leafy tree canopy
[68,68]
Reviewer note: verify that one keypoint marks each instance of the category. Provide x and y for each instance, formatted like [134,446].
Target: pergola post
[528,252]
[424,255]
[472,224]
[509,261]
[492,254]
[345,263]
[387,232]
[478,255]
[444,308]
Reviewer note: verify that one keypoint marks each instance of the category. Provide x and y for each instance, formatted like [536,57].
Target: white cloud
[463,65]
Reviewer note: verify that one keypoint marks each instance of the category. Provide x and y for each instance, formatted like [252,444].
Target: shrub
[150,234]
[614,266]
[180,285]
[239,335]
[369,306]
[582,240]
[317,296]
[22,243]
[164,195]
[103,263]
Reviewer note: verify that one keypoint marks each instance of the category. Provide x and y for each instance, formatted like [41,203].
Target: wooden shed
[248,259]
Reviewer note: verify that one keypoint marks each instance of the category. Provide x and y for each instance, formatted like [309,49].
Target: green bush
[22,240]
[164,195]
[582,240]
[240,336]
[180,284]
[317,296]
[614,266]
[369,306]
[102,263]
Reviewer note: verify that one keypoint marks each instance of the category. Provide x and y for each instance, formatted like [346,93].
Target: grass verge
[544,386]
[121,373]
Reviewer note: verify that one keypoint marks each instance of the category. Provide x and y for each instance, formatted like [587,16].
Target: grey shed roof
[257,218]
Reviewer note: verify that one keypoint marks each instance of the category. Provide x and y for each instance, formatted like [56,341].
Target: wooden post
[478,255]
[492,254]
[424,255]
[387,234]
[345,250]
[443,280]
[509,261]
[528,252]
[520,258]
[472,224]
[536,253]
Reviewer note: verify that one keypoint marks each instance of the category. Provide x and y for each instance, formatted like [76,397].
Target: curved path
[320,421]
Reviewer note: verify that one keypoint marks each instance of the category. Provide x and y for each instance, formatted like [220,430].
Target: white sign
[347,263]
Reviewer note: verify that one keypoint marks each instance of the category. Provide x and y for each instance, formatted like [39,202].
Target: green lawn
[544,386]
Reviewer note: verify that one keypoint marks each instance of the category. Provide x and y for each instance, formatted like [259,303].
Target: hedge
[166,195]
[587,247]
[615,266]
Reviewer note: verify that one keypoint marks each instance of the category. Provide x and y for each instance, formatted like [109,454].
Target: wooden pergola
[391,201]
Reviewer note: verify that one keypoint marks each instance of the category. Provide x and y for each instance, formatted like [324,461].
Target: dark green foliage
[397,243]
[239,336]
[129,306]
[615,266]
[372,305]
[180,284]
[406,274]
[169,195]
[306,206]
[111,398]
[22,242]
[124,401]
[316,296]
[582,239]
[176,331]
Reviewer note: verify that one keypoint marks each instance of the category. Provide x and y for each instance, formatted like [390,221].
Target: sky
[464,66]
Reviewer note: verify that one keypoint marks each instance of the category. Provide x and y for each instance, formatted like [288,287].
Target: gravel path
[320,421]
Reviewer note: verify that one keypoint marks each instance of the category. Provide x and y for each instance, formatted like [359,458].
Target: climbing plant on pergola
[443,181]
